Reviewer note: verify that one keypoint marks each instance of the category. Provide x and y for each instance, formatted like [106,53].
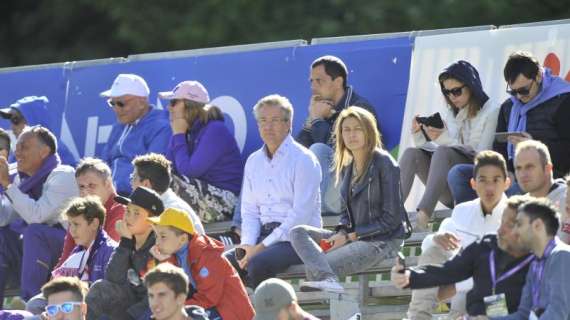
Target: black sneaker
[230,239]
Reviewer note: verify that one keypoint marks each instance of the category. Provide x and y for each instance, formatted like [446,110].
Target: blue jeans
[330,192]
[458,180]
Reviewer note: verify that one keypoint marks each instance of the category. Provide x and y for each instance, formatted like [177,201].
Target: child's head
[85,217]
[142,204]
[173,229]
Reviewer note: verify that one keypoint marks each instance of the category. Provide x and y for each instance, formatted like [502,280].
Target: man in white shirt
[153,171]
[534,172]
[469,222]
[280,191]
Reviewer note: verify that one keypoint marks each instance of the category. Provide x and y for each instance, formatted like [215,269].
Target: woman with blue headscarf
[468,127]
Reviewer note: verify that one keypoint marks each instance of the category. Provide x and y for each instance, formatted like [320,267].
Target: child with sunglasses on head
[214,283]
[469,123]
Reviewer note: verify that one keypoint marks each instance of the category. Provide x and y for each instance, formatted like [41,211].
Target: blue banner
[378,70]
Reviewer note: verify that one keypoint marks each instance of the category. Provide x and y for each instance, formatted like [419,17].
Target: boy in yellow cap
[215,285]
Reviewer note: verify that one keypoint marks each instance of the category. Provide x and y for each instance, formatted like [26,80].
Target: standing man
[330,95]
[141,128]
[280,191]
[38,195]
[546,294]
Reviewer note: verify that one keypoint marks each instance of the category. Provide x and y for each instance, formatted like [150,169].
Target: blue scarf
[551,87]
[182,257]
[33,185]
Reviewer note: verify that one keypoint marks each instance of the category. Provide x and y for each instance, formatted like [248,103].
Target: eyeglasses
[118,103]
[456,92]
[272,121]
[523,91]
[66,307]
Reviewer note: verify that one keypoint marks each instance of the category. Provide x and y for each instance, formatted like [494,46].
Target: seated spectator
[330,94]
[497,263]
[204,153]
[539,106]
[34,111]
[167,288]
[38,194]
[275,299]
[546,294]
[533,169]
[564,232]
[93,177]
[6,212]
[153,171]
[121,294]
[66,298]
[468,124]
[141,128]
[469,222]
[373,225]
[216,286]
[89,258]
[280,191]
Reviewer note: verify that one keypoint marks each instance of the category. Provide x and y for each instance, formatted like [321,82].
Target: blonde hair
[204,112]
[343,156]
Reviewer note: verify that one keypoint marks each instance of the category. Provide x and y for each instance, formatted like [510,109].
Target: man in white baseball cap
[141,128]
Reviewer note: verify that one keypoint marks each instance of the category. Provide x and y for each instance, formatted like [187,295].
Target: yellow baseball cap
[174,218]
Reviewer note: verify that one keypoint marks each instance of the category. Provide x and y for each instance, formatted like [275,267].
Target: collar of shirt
[281,150]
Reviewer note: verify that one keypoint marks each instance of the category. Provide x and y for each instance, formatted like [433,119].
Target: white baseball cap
[190,90]
[127,84]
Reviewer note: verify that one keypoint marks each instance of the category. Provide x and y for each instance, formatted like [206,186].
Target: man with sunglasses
[141,128]
[33,111]
[539,108]
[66,299]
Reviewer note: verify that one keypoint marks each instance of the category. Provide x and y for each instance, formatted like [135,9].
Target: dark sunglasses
[15,120]
[66,307]
[119,104]
[524,91]
[173,102]
[456,92]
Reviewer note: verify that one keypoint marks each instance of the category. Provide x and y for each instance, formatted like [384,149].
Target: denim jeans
[351,258]
[330,191]
[458,180]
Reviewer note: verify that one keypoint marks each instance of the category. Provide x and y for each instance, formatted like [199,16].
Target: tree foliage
[34,32]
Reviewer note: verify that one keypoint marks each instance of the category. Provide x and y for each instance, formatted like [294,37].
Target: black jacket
[321,129]
[124,258]
[548,123]
[474,262]
[373,208]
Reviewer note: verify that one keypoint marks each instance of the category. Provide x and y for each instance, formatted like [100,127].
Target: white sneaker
[328,285]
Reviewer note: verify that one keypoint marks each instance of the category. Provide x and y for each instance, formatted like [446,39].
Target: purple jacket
[209,153]
[99,256]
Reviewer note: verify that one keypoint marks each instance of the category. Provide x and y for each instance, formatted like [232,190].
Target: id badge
[496,305]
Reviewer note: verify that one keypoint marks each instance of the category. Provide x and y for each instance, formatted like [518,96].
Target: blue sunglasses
[66,307]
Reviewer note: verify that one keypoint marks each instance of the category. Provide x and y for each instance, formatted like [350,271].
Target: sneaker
[419,224]
[230,239]
[327,285]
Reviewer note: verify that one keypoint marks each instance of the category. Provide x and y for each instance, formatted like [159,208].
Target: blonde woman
[469,123]
[204,153]
[372,226]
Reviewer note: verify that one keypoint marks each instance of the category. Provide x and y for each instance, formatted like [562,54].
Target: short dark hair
[521,62]
[95,165]
[72,284]
[156,168]
[5,140]
[489,158]
[543,209]
[172,276]
[334,67]
[89,207]
[45,137]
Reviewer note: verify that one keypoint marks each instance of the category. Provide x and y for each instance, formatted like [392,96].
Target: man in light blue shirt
[280,191]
